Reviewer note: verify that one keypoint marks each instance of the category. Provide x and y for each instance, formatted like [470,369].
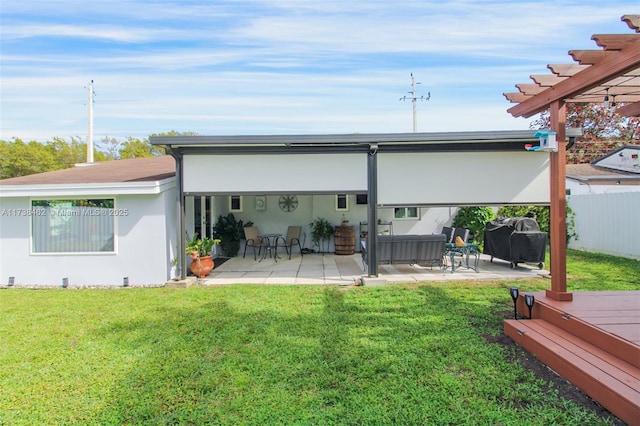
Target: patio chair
[252,239]
[462,233]
[448,233]
[292,238]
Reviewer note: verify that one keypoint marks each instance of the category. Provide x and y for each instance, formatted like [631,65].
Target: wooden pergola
[610,75]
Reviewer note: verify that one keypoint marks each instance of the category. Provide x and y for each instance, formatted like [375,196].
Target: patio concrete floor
[328,268]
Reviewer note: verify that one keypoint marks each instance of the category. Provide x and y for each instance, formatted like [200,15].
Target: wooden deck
[592,341]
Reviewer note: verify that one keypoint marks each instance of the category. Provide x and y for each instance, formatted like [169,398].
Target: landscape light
[529,300]
[514,295]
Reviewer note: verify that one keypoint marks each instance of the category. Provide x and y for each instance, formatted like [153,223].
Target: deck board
[593,341]
[610,381]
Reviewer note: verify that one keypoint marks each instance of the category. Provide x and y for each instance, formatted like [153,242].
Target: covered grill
[516,240]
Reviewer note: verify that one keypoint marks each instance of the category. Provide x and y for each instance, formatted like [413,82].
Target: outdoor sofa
[428,249]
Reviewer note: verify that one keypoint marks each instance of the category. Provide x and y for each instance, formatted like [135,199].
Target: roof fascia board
[474,146]
[83,189]
[618,63]
[339,140]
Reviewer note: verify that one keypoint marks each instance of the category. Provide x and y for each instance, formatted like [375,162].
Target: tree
[110,146]
[18,158]
[136,148]
[603,129]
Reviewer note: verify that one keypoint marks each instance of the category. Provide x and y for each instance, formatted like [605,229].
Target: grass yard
[259,355]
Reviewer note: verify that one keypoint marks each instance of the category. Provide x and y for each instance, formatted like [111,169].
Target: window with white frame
[74,226]
[406,213]
[342,202]
[235,203]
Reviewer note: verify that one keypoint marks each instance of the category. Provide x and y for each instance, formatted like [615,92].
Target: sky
[247,67]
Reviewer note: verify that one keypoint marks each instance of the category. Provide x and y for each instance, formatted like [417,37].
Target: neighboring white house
[99,224]
[605,198]
[618,171]
[95,224]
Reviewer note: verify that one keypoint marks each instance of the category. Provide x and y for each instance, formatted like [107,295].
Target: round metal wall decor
[288,203]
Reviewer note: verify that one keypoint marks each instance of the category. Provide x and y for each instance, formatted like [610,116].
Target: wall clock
[288,203]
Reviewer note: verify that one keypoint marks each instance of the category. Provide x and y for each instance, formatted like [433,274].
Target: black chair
[448,233]
[462,233]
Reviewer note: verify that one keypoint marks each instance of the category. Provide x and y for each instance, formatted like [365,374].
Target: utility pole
[414,99]
[90,132]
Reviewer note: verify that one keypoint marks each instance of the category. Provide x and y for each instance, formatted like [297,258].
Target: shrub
[475,219]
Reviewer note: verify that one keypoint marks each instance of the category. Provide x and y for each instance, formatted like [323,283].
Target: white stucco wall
[143,241]
[578,188]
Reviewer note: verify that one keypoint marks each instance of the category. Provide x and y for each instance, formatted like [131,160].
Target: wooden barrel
[344,240]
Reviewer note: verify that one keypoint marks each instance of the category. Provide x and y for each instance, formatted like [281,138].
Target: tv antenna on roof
[414,99]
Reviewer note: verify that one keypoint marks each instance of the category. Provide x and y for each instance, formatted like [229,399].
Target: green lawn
[256,355]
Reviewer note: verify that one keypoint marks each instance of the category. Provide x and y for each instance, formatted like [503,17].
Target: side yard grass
[248,355]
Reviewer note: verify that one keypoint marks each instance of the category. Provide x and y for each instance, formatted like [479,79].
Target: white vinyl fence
[607,223]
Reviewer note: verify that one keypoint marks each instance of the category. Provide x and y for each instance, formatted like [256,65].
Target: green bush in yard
[475,219]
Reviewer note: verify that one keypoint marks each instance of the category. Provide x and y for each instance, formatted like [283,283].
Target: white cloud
[274,66]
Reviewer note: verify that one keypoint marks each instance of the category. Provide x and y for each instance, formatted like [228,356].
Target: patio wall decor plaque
[288,203]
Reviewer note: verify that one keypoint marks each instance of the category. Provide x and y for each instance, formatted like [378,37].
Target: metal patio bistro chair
[292,238]
[448,232]
[252,239]
[462,233]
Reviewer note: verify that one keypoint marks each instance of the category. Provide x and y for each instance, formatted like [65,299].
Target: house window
[74,226]
[406,213]
[342,202]
[235,203]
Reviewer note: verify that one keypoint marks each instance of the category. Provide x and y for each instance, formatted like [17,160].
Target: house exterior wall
[143,240]
[607,223]
[576,188]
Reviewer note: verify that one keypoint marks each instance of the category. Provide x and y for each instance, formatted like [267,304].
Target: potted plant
[200,251]
[321,231]
[230,231]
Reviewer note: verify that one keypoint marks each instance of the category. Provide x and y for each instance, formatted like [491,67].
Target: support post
[372,210]
[181,213]
[558,212]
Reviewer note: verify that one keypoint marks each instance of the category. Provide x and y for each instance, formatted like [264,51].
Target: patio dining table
[271,244]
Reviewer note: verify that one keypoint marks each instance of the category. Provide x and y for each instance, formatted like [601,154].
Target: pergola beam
[615,41]
[629,110]
[620,63]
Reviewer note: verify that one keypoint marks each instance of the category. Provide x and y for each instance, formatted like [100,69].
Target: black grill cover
[515,239]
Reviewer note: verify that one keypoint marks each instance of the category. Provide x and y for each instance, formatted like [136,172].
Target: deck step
[600,330]
[611,381]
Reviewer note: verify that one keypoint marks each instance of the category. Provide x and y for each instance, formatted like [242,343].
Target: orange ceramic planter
[201,266]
